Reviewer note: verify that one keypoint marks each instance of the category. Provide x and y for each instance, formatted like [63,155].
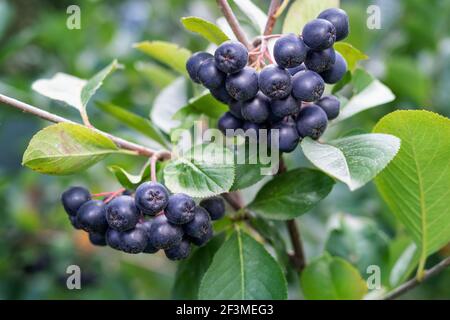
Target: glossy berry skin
[307,86]
[312,122]
[97,239]
[75,223]
[294,71]
[319,34]
[256,110]
[200,225]
[340,21]
[146,226]
[151,197]
[122,213]
[73,198]
[285,107]
[242,85]
[236,108]
[231,57]
[221,94]
[203,239]
[180,251]
[288,137]
[215,207]
[133,241]
[113,239]
[331,106]
[228,121]
[319,61]
[275,82]
[164,234]
[209,75]
[91,216]
[289,51]
[336,72]
[180,209]
[194,62]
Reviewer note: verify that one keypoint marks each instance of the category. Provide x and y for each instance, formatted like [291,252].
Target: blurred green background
[411,54]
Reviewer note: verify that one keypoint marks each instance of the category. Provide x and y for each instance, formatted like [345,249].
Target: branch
[234,23]
[411,284]
[121,143]
[272,16]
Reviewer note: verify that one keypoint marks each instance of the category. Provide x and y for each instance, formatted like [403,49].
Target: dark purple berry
[146,226]
[256,110]
[231,56]
[113,239]
[151,197]
[194,62]
[336,72]
[122,213]
[285,107]
[319,34]
[180,209]
[215,207]
[228,122]
[312,122]
[294,71]
[163,234]
[221,94]
[97,239]
[180,251]
[331,106]
[203,239]
[275,82]
[200,225]
[242,85]
[236,108]
[91,216]
[339,19]
[289,51]
[320,61]
[209,75]
[288,137]
[307,86]
[134,240]
[73,198]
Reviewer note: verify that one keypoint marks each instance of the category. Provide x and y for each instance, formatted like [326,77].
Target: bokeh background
[411,54]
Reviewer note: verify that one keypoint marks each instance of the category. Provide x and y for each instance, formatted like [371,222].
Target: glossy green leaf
[134,121]
[128,180]
[369,93]
[302,11]
[350,54]
[291,194]
[354,160]
[205,170]
[332,278]
[167,53]
[191,271]
[205,28]
[158,75]
[243,269]
[416,184]
[66,148]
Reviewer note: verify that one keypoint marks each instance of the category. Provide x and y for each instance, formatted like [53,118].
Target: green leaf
[66,148]
[303,11]
[203,104]
[134,121]
[369,93]
[404,265]
[171,99]
[167,53]
[243,269]
[350,53]
[128,180]
[248,166]
[74,91]
[354,160]
[256,16]
[360,241]
[291,194]
[206,29]
[191,271]
[159,76]
[205,170]
[416,184]
[331,278]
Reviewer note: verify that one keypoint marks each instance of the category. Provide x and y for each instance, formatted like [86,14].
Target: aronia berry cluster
[288,95]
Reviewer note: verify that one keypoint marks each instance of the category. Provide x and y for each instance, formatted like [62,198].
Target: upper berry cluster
[122,224]
[287,96]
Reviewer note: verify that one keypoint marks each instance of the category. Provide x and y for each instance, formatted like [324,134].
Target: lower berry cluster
[288,95]
[150,221]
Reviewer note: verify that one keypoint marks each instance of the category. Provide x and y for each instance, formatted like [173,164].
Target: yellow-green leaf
[206,29]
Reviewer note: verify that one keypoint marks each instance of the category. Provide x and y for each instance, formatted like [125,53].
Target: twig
[411,284]
[234,200]
[234,23]
[121,143]
[153,167]
[272,16]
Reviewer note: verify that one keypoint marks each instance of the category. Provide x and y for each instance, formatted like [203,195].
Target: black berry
[319,61]
[336,72]
[200,225]
[275,82]
[209,75]
[231,56]
[146,226]
[122,213]
[236,108]
[288,137]
[307,86]
[163,234]
[73,198]
[134,240]
[180,251]
[256,110]
[285,107]
[289,51]
[180,209]
[91,216]
[339,19]
[242,85]
[151,197]
[228,122]
[312,122]
[215,207]
[75,223]
[194,62]
[294,71]
[221,94]
[203,239]
[319,34]
[331,105]
[113,239]
[97,239]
